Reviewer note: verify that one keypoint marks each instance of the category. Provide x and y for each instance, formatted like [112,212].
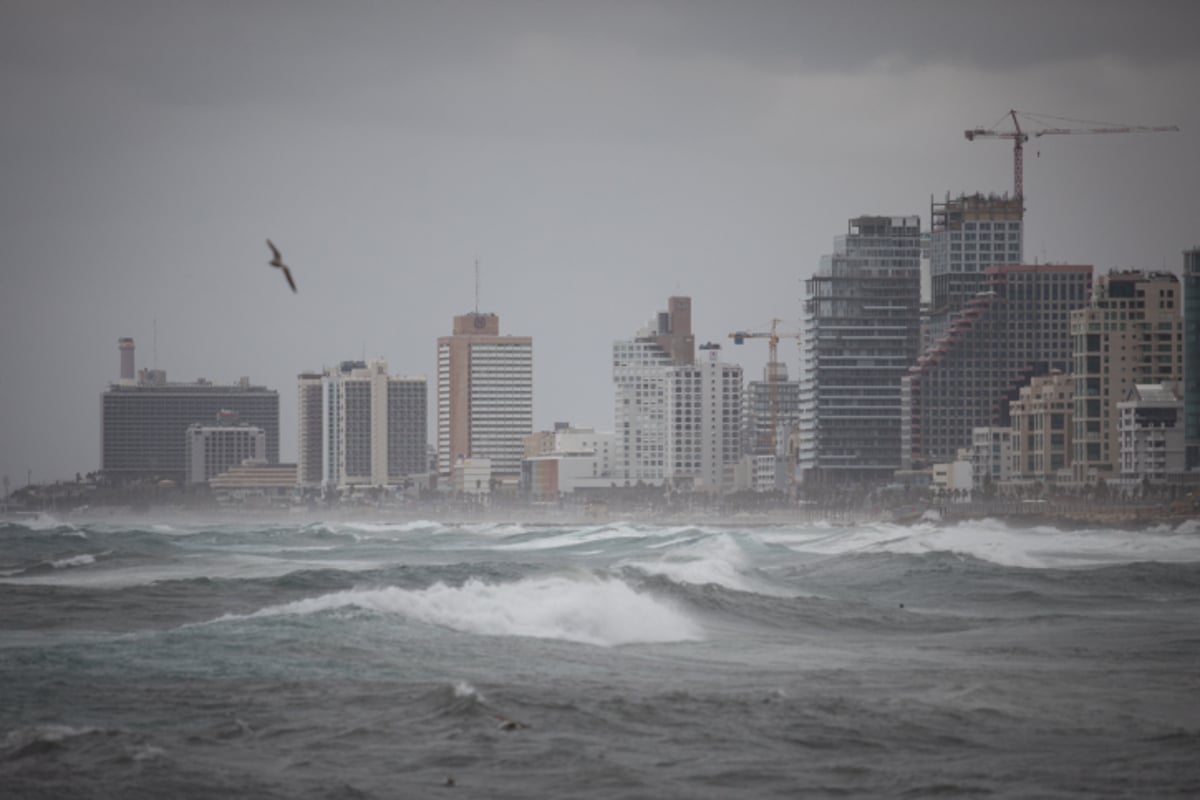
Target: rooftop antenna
[154,350]
[477,287]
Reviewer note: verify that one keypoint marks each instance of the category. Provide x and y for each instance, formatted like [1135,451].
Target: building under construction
[968,234]
[862,331]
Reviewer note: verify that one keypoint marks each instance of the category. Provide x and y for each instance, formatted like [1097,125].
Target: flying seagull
[277,261]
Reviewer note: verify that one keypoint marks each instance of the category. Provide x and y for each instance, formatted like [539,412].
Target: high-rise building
[359,426]
[862,332]
[144,422]
[968,234]
[1131,332]
[310,463]
[704,412]
[1015,329]
[485,396]
[1191,355]
[639,376]
[214,447]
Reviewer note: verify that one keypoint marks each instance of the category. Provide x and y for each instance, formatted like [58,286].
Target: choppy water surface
[377,660]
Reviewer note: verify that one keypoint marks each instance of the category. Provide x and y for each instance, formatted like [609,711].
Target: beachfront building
[145,418]
[640,368]
[485,397]
[991,455]
[1130,332]
[1151,434]
[1041,428]
[861,333]
[211,448]
[565,460]
[360,426]
[1191,355]
[1017,328]
[704,412]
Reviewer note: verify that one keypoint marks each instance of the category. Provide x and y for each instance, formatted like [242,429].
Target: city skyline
[593,159]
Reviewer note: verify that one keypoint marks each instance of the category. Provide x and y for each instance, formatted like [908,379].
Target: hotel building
[145,418]
[359,426]
[485,396]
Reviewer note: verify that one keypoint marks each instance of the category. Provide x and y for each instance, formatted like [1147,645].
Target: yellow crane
[1021,135]
[773,369]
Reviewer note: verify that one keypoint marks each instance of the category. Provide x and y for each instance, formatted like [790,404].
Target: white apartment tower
[640,369]
[704,410]
[359,426]
[485,395]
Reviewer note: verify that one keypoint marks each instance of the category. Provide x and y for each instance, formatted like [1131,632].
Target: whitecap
[579,608]
[74,561]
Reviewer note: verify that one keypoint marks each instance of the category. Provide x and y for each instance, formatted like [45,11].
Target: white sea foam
[717,559]
[1000,543]
[579,608]
[558,538]
[43,522]
[74,561]
[462,689]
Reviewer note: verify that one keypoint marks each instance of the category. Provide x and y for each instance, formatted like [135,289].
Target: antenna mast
[477,287]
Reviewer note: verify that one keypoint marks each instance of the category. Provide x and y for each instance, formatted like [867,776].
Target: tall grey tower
[862,331]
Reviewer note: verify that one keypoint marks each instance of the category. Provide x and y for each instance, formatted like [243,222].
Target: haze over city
[594,158]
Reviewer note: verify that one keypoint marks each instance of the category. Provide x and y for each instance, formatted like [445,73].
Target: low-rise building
[991,455]
[1151,433]
[1041,419]
[212,448]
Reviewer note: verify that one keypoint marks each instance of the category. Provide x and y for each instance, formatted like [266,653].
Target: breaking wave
[585,609]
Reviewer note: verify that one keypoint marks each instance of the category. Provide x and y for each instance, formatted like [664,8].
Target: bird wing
[274,250]
[287,273]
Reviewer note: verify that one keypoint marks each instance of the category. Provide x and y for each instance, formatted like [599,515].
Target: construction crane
[1019,136]
[773,369]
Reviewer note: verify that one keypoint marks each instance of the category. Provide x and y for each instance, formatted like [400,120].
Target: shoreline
[1061,517]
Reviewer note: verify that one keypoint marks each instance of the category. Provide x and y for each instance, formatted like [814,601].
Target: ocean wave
[44,523]
[38,739]
[581,608]
[997,542]
[74,561]
[717,559]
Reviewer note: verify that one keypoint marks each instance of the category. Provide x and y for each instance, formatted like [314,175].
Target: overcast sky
[595,157]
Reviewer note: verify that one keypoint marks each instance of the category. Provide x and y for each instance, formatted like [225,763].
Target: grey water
[192,658]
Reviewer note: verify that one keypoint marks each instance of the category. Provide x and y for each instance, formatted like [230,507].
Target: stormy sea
[302,658]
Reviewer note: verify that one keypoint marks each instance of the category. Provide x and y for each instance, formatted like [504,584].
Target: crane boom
[1019,137]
